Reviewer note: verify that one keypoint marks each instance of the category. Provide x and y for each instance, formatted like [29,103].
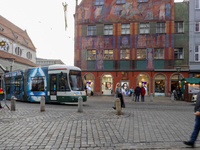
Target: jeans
[196,130]
[137,98]
[142,98]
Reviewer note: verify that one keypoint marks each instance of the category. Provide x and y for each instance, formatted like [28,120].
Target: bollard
[42,103]
[118,106]
[172,97]
[80,104]
[151,97]
[13,99]
[132,97]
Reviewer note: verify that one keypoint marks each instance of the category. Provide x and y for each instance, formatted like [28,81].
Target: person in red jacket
[143,93]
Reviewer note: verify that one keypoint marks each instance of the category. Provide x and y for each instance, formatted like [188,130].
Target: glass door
[53,87]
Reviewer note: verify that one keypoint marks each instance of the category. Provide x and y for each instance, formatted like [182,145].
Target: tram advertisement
[37,83]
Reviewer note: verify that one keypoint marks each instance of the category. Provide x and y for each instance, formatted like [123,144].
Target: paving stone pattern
[161,124]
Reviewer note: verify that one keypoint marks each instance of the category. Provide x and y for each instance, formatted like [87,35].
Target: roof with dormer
[13,32]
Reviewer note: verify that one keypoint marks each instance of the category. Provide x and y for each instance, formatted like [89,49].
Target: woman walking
[118,94]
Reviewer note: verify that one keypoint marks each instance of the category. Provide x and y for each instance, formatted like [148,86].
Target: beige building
[16,48]
[46,62]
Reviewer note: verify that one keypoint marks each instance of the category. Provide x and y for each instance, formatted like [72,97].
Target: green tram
[58,83]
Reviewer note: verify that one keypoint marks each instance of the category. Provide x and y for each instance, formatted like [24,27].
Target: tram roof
[63,67]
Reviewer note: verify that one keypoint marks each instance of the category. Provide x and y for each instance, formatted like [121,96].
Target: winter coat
[143,91]
[117,91]
[137,91]
[197,105]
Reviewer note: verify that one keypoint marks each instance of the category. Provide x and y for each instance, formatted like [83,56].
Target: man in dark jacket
[197,122]
[137,93]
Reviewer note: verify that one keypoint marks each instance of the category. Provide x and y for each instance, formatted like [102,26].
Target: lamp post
[178,69]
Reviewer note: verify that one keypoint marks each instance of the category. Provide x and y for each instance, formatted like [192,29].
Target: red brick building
[127,41]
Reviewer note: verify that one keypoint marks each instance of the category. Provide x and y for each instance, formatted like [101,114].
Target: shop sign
[193,89]
[124,75]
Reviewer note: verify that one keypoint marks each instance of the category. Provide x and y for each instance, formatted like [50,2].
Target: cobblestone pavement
[160,124]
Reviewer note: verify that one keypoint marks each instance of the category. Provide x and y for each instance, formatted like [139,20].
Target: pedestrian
[137,93]
[118,94]
[143,92]
[85,89]
[131,91]
[195,132]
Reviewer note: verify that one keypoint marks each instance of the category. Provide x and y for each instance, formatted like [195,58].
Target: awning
[191,80]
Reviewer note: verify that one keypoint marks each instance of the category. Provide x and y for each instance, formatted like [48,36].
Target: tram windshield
[75,80]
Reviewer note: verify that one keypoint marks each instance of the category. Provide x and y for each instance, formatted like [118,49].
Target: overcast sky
[45,25]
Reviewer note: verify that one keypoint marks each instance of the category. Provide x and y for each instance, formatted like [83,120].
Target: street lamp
[178,69]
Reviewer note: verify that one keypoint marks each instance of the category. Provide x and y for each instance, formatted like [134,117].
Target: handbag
[119,95]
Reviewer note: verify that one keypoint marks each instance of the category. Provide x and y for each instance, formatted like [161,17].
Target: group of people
[138,91]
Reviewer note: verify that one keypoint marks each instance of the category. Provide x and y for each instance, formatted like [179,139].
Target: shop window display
[125,87]
[107,85]
[160,87]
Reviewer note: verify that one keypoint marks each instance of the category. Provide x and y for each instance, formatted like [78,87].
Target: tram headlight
[75,94]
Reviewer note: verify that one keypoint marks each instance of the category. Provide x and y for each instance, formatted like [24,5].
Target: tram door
[53,87]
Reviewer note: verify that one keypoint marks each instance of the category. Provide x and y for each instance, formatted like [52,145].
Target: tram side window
[63,84]
[8,83]
[37,83]
[17,85]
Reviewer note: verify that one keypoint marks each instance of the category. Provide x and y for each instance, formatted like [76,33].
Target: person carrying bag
[118,94]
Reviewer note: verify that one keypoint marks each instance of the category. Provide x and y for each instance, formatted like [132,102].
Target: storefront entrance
[143,80]
[174,81]
[159,85]
[89,82]
[107,84]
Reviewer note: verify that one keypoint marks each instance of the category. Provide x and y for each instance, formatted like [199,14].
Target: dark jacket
[197,106]
[137,90]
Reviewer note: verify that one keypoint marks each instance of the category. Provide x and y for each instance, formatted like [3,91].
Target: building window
[120,1]
[197,29]
[144,27]
[29,55]
[99,2]
[124,54]
[158,53]
[25,41]
[197,75]
[18,51]
[92,30]
[14,35]
[108,29]
[197,53]
[178,53]
[91,54]
[125,29]
[179,26]
[108,54]
[141,53]
[1,28]
[161,27]
[197,6]
[142,0]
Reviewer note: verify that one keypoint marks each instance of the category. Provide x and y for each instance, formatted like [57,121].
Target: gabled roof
[191,80]
[15,33]
[17,59]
